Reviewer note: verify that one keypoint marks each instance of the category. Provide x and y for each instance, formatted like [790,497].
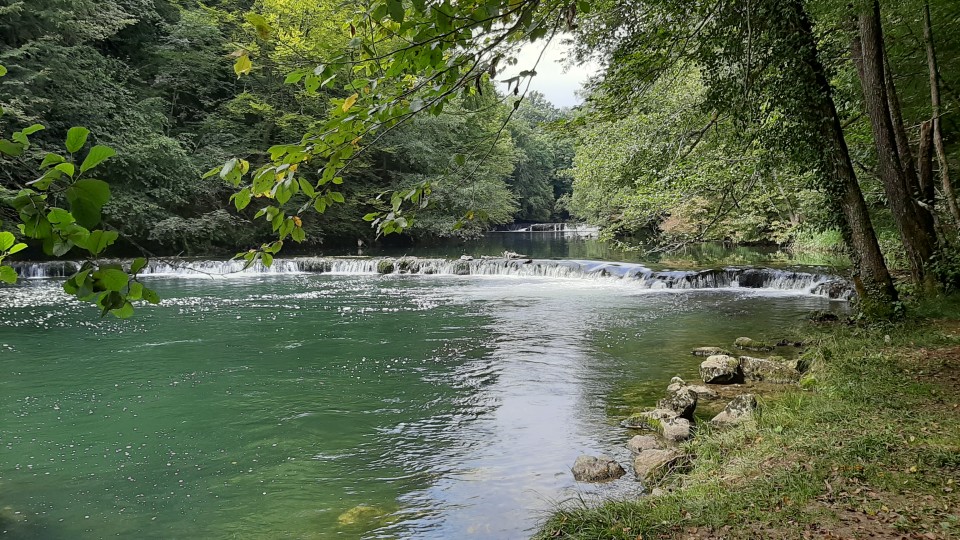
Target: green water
[275,406]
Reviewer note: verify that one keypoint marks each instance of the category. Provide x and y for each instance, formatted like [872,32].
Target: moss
[385,266]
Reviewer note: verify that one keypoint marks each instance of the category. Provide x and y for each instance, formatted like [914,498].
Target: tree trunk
[914,223]
[925,164]
[948,191]
[839,181]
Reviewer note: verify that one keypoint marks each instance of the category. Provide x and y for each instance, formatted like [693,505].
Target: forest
[803,124]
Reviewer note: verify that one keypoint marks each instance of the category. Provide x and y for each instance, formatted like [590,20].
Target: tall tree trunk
[925,163]
[948,191]
[839,181]
[900,183]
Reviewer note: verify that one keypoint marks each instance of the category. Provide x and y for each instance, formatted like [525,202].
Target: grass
[867,446]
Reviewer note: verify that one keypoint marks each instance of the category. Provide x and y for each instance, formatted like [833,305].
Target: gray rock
[639,443]
[720,369]
[652,465]
[596,469]
[462,267]
[385,266]
[709,351]
[703,392]
[768,370]
[675,429]
[681,401]
[738,410]
[650,420]
[466,258]
[748,344]
[676,383]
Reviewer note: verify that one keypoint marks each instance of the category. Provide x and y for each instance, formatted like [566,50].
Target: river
[343,404]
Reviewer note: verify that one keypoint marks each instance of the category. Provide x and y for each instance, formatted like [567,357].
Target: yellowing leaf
[347,103]
[243,65]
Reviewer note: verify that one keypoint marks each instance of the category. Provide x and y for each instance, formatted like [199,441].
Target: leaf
[6,240]
[267,259]
[137,265]
[264,30]
[8,275]
[66,168]
[87,198]
[3,71]
[76,138]
[243,65]
[151,296]
[100,240]
[112,279]
[135,292]
[51,159]
[395,9]
[123,312]
[371,216]
[242,198]
[17,248]
[460,159]
[347,103]
[97,155]
[337,196]
[307,187]
[9,148]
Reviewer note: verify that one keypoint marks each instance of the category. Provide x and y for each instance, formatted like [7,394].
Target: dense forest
[219,125]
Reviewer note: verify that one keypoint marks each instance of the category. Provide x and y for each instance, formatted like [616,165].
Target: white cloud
[555,79]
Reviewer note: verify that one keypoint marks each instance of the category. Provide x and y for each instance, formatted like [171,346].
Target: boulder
[408,265]
[596,469]
[650,420]
[385,266]
[360,514]
[703,392]
[652,465]
[748,344]
[676,383]
[466,258]
[639,443]
[675,429]
[738,410]
[709,351]
[682,401]
[768,370]
[462,267]
[720,369]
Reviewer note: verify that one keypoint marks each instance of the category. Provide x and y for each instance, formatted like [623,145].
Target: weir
[811,282]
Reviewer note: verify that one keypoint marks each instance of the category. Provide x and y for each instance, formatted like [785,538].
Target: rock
[676,383]
[385,266]
[650,420]
[408,265]
[738,410]
[681,401]
[466,258]
[596,469]
[720,369]
[639,443]
[513,255]
[709,351]
[768,370]
[462,267]
[675,429]
[359,514]
[657,492]
[748,344]
[703,392]
[652,465]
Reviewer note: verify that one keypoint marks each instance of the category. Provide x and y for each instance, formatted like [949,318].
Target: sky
[557,83]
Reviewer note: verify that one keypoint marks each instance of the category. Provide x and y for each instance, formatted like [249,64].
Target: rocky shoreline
[729,392]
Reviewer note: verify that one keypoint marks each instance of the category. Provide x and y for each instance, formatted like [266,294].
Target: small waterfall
[639,275]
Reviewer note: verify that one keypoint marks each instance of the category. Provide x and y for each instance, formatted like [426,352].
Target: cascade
[638,275]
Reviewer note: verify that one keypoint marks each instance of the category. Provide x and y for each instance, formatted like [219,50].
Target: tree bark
[914,223]
[948,192]
[925,164]
[839,181]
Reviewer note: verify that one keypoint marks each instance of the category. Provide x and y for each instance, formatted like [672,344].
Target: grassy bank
[867,447]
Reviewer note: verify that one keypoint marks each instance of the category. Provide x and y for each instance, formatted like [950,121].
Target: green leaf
[337,196]
[11,149]
[87,198]
[8,275]
[371,216]
[151,296]
[97,155]
[395,9]
[3,71]
[264,30]
[123,312]
[460,159]
[17,248]
[66,168]
[76,138]
[51,159]
[135,292]
[100,240]
[267,259]
[242,198]
[137,265]
[307,187]
[6,240]
[112,279]
[243,65]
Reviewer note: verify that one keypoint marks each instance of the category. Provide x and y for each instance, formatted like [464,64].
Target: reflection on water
[318,406]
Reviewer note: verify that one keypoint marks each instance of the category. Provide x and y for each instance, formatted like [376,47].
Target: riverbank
[867,446]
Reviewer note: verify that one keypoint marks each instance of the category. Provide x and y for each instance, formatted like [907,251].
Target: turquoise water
[338,406]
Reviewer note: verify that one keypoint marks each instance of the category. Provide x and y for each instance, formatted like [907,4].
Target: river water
[340,405]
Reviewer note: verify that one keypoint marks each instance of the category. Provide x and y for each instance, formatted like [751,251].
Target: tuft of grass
[873,433]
